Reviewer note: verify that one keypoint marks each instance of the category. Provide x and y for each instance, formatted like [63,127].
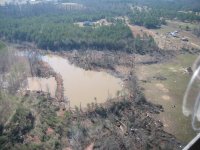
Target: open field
[169,92]
[101,22]
[182,25]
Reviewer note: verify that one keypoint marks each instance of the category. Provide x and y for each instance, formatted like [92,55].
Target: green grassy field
[169,93]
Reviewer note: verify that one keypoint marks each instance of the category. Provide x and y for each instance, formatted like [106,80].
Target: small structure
[88,23]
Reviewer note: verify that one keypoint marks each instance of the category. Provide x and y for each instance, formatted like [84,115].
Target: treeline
[90,8]
[171,5]
[148,18]
[55,33]
[154,18]
[51,27]
[112,8]
[152,13]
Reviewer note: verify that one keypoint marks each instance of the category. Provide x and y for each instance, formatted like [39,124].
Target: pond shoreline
[44,70]
[124,69]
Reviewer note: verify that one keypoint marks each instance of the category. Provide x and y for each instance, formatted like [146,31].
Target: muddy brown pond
[42,84]
[80,86]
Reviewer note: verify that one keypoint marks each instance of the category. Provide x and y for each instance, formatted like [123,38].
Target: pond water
[80,86]
[43,84]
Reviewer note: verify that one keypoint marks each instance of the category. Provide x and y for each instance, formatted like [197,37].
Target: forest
[51,27]
[55,33]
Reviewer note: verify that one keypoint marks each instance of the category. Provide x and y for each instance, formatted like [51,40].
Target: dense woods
[52,27]
[154,18]
[147,18]
[54,36]
[58,33]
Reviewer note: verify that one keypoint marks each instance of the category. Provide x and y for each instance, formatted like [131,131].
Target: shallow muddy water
[80,86]
[43,84]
